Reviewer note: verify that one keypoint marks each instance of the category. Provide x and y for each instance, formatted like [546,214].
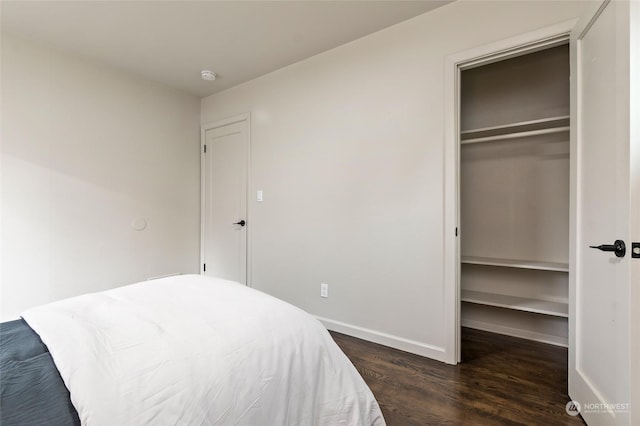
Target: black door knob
[617,247]
[241,223]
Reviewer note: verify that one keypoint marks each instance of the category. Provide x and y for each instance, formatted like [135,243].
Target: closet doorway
[514,193]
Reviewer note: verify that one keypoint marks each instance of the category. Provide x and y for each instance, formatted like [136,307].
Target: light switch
[324,290]
[259,196]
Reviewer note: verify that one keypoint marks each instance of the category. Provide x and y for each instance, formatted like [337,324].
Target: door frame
[454,64]
[245,117]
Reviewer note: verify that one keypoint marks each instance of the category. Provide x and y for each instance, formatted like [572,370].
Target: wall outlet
[324,290]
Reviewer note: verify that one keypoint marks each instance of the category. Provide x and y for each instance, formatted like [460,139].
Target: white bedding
[191,350]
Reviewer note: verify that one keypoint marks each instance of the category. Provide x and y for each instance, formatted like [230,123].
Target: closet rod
[546,122]
[516,135]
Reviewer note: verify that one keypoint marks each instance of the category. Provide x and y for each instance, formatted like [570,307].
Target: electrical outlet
[324,290]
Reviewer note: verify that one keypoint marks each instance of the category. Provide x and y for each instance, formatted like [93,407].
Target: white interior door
[224,180]
[601,339]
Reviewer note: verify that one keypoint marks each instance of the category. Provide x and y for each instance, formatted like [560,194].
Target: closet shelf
[517,303]
[515,263]
[520,129]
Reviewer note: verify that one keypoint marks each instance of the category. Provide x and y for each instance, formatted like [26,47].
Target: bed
[184,350]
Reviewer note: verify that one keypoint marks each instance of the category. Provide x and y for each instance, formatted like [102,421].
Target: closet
[514,195]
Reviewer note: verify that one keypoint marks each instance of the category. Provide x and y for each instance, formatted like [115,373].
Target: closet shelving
[526,304]
[510,132]
[516,263]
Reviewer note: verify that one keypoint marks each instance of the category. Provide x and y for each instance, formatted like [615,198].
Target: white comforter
[191,350]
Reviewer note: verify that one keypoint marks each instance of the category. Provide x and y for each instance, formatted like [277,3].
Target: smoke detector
[208,75]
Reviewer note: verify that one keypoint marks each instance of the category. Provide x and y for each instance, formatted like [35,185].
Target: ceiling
[172,41]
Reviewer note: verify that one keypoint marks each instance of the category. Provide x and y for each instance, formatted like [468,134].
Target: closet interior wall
[514,195]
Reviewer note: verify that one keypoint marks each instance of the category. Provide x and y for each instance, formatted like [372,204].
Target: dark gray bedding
[31,389]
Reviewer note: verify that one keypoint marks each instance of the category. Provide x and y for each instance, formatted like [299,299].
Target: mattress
[191,350]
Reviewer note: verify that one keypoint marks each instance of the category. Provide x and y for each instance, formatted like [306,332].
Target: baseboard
[385,339]
[516,332]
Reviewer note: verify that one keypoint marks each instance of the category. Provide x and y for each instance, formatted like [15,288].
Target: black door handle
[241,223]
[618,247]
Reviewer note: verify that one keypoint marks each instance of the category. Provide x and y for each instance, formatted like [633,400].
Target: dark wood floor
[501,381]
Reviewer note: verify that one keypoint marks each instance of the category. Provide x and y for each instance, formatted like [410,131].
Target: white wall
[85,151]
[348,149]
